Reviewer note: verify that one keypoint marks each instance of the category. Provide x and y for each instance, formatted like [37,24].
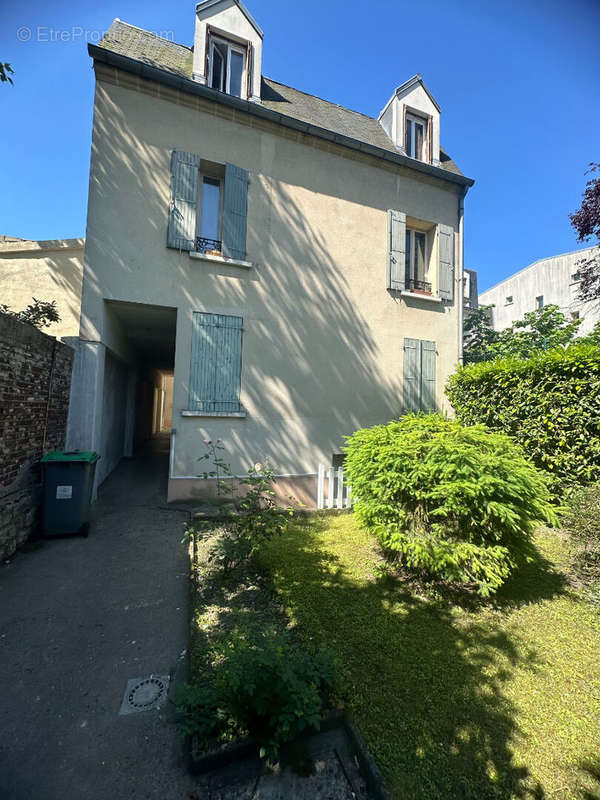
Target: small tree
[40,313]
[586,222]
[479,335]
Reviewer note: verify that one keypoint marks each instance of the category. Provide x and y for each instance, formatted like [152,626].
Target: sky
[518,82]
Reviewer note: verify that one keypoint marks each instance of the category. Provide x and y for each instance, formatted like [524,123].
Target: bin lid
[70,455]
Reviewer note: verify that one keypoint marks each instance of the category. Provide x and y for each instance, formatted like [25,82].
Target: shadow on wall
[299,309]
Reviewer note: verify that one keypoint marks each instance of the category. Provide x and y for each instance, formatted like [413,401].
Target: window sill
[234,262]
[236,414]
[428,298]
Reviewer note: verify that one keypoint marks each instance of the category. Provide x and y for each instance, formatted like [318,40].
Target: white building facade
[549,281]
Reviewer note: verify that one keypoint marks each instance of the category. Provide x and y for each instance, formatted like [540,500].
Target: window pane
[209,224]
[407,259]
[219,66]
[408,142]
[418,141]
[237,68]
[420,256]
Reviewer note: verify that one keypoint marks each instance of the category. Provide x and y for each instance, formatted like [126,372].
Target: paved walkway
[78,619]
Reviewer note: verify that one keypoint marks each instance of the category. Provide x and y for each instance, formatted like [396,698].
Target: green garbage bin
[67,494]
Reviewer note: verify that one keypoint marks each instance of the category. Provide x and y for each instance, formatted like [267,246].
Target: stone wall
[35,381]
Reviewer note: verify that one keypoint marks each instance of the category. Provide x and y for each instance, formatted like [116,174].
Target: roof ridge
[150,33]
[322,99]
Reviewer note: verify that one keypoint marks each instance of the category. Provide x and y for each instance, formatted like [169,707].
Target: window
[539,301]
[509,300]
[227,66]
[415,137]
[416,261]
[419,375]
[209,215]
[576,277]
[574,315]
[216,363]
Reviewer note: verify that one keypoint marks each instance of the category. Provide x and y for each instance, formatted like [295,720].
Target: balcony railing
[210,246]
[414,285]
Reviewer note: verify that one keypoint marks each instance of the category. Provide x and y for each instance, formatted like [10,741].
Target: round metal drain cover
[146,693]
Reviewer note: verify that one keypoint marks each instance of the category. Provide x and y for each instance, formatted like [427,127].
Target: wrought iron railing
[413,284]
[204,245]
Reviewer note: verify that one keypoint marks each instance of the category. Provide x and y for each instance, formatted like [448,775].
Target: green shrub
[271,689]
[582,523]
[549,404]
[458,503]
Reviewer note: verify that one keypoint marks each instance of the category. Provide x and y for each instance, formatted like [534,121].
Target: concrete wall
[35,378]
[552,279]
[114,415]
[323,338]
[46,270]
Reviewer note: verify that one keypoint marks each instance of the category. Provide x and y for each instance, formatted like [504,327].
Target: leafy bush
[582,523]
[270,689]
[549,404]
[458,503]
[260,517]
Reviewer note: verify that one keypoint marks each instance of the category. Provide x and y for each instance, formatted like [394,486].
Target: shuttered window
[419,375]
[184,202]
[216,364]
[396,273]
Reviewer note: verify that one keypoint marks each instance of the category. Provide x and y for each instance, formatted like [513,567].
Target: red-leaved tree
[586,222]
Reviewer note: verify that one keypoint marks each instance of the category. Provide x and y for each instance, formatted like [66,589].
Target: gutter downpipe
[461,272]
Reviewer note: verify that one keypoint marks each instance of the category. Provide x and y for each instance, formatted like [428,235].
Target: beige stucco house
[297,267]
[46,270]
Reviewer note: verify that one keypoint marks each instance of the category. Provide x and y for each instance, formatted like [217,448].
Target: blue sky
[518,82]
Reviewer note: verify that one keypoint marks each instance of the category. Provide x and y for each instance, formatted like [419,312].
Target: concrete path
[78,619]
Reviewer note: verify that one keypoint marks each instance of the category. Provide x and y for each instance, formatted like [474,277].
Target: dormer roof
[205,5]
[406,87]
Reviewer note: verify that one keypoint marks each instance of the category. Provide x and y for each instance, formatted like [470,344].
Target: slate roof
[145,47]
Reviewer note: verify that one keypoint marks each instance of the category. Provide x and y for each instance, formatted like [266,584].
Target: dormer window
[227,66]
[415,137]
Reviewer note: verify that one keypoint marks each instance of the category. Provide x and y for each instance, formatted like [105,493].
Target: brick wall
[35,381]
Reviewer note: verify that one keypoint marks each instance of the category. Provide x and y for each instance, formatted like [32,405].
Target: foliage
[270,688]
[586,222]
[457,503]
[260,517]
[489,700]
[582,523]
[478,334]
[40,313]
[542,329]
[5,72]
[550,404]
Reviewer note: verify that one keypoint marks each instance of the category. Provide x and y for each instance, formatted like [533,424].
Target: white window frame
[202,175]
[411,119]
[410,268]
[231,46]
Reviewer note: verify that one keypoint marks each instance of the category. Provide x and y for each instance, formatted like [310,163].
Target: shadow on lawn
[424,684]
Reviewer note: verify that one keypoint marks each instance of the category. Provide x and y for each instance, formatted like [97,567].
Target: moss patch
[498,700]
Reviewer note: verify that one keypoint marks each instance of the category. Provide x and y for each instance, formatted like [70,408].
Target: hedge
[550,404]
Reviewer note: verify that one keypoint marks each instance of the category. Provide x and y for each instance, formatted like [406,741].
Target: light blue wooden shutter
[446,262]
[412,375]
[181,232]
[216,366]
[397,250]
[427,376]
[419,375]
[235,209]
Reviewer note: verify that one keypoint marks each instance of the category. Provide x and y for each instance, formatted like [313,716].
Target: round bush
[455,502]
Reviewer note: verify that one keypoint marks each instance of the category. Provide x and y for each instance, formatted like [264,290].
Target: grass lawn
[492,701]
